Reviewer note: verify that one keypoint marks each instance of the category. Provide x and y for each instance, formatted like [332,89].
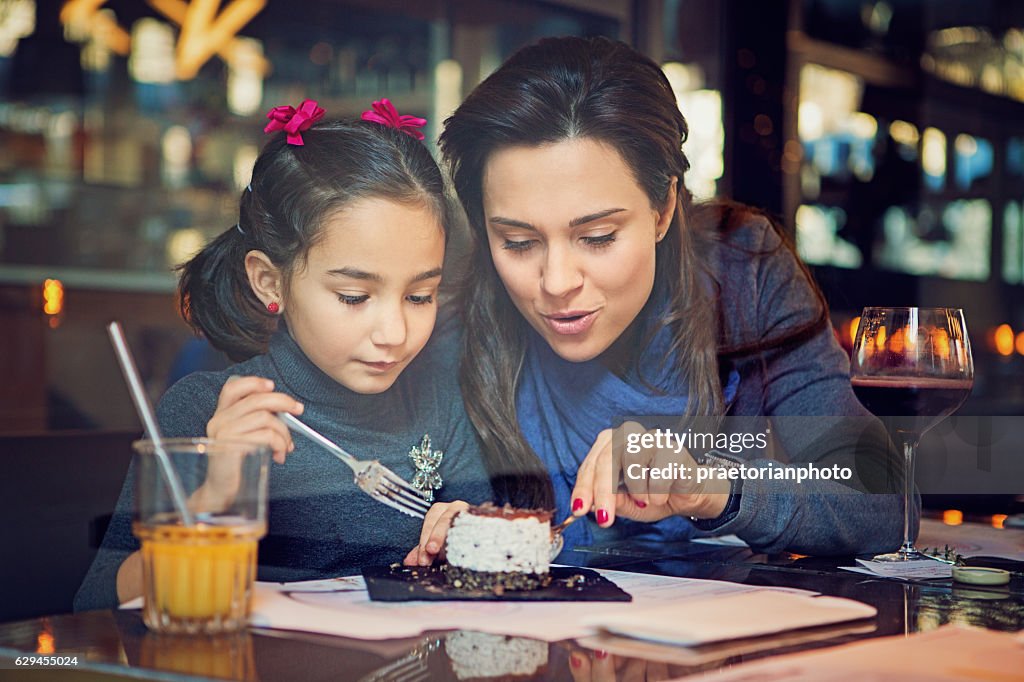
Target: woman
[599,290]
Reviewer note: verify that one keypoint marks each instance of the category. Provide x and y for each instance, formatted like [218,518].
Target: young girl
[327,289]
[601,290]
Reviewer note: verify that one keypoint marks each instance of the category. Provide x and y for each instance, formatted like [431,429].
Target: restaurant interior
[887,137]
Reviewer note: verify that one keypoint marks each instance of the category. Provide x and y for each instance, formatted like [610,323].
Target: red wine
[924,400]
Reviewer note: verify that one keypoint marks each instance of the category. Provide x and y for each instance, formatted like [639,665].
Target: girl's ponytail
[216,300]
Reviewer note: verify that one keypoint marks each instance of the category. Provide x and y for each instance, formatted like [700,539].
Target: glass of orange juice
[198,578]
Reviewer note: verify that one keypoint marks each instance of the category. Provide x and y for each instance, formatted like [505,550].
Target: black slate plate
[411,583]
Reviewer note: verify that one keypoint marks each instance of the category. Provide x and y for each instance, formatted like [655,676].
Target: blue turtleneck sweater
[319,524]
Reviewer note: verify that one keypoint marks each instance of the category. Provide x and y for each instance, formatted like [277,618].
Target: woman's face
[365,302]
[572,236]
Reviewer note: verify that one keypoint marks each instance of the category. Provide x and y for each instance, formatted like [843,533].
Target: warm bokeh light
[864,126]
[45,643]
[241,168]
[829,103]
[854,324]
[705,145]
[997,520]
[880,339]
[896,341]
[904,133]
[1004,339]
[53,297]
[246,69]
[933,152]
[965,145]
[204,34]
[940,343]
[176,153]
[1020,343]
[152,54]
[809,121]
[952,517]
[17,21]
[447,91]
[184,243]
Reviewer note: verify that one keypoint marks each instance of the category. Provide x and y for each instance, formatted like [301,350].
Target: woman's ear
[266,279]
[667,211]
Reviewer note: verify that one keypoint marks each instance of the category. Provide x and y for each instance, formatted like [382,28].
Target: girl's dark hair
[294,190]
[554,90]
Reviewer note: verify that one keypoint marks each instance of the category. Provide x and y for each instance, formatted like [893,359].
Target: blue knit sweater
[320,525]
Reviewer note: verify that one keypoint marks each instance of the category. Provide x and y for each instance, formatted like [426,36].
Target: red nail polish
[640,503]
[577,504]
[602,516]
[601,654]
[574,661]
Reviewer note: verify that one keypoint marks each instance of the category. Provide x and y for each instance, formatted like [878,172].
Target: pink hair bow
[293,121]
[384,113]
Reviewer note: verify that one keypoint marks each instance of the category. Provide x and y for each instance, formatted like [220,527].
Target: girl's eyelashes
[353,300]
[424,299]
[415,299]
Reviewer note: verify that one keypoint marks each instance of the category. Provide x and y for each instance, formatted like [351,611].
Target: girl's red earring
[273,308]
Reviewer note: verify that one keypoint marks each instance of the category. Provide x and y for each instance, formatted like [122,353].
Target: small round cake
[499,548]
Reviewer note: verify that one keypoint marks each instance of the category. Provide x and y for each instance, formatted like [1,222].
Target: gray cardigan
[764,293]
[320,525]
[803,389]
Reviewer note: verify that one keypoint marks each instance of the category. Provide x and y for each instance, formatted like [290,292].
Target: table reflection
[118,642]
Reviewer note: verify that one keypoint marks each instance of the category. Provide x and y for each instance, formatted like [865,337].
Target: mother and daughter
[596,289]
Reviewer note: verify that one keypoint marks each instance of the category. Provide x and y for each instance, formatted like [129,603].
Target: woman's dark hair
[554,90]
[294,190]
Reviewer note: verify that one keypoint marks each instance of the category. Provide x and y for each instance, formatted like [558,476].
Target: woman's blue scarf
[562,406]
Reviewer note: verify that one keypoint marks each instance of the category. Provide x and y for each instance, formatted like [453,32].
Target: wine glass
[912,367]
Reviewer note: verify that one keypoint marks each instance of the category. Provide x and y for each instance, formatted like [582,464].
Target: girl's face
[572,236]
[365,302]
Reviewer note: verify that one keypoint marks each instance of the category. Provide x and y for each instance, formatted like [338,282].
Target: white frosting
[478,654]
[496,544]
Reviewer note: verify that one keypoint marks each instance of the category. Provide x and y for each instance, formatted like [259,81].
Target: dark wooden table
[116,644]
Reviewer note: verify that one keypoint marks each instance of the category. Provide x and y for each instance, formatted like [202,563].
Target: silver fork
[372,477]
[413,667]
[557,539]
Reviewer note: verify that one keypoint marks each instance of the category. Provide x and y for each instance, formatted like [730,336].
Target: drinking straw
[145,410]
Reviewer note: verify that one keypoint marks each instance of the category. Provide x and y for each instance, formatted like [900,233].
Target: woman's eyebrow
[575,222]
[591,217]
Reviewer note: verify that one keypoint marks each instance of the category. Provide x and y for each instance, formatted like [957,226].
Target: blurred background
[888,136]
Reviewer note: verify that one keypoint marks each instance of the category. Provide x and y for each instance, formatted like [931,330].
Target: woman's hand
[247,410]
[598,666]
[648,498]
[434,532]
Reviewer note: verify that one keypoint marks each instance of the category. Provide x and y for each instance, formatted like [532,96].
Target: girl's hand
[246,411]
[434,532]
[647,498]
